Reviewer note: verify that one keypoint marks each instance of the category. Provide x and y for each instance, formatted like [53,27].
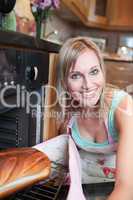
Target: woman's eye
[75,76]
[95,71]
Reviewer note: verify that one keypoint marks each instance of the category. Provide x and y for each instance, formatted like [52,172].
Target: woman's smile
[93,95]
[87,94]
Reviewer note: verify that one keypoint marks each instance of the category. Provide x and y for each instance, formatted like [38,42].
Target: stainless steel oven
[22,74]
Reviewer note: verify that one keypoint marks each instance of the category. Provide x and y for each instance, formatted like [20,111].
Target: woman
[99,131]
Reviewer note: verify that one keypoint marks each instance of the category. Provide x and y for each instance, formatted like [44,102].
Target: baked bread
[21,167]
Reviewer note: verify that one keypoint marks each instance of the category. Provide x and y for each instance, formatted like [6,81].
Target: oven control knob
[31,73]
[5,83]
[12,83]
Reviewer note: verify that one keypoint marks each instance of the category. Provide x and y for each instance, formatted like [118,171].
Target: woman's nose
[87,83]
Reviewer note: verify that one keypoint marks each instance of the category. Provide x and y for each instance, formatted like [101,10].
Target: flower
[42,8]
[55,3]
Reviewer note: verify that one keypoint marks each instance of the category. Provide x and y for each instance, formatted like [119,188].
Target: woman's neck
[90,112]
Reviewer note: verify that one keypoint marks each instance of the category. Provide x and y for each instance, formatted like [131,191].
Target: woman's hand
[121,193]
[124,163]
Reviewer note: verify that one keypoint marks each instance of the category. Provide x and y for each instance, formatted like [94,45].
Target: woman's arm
[123,189]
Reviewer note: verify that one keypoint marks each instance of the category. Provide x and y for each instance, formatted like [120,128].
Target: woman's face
[85,80]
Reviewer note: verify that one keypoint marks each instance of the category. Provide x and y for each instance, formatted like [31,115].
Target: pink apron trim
[110,139]
[75,189]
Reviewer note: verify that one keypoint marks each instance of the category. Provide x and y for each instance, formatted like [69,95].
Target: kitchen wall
[63,28]
[112,37]
[68,29]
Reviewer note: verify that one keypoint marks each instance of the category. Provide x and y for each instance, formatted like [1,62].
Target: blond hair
[72,48]
[68,55]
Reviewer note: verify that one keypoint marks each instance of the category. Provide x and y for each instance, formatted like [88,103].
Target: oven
[23,75]
[50,191]
[42,191]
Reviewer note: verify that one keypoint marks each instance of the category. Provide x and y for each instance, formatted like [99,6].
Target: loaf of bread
[21,167]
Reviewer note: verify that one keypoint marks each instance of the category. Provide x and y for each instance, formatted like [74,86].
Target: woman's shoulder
[113,93]
[115,96]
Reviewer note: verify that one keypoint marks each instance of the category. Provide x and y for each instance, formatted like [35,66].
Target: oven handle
[35,72]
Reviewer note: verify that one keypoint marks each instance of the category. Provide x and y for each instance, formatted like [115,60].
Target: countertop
[20,40]
[116,57]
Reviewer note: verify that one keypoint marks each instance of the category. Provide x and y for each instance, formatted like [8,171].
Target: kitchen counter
[16,39]
[116,57]
[20,40]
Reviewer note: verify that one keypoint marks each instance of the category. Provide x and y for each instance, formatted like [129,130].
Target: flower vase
[38,29]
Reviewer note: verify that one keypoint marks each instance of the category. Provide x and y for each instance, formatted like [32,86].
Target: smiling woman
[96,129]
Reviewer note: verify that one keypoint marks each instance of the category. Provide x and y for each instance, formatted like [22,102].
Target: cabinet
[90,12]
[120,13]
[50,127]
[108,14]
[97,11]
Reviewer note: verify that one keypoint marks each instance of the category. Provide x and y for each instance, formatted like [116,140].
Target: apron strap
[75,189]
[69,125]
[110,138]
